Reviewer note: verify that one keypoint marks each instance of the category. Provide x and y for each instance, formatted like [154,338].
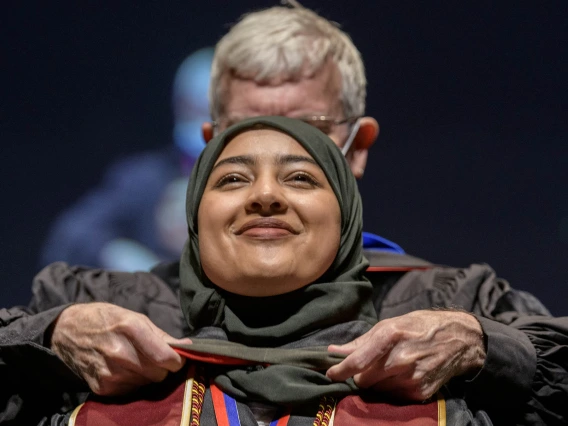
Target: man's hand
[115,350]
[413,355]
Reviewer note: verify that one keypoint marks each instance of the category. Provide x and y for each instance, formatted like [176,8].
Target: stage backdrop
[470,166]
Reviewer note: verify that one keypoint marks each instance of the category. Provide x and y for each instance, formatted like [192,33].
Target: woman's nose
[266,197]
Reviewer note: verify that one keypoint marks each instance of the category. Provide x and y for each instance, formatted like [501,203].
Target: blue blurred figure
[136,217]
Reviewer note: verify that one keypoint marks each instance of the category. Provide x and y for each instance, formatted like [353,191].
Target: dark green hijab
[341,296]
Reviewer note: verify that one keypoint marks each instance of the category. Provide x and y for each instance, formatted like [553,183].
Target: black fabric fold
[315,358]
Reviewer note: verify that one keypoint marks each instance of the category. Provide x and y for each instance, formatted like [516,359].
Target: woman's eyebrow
[246,160]
[281,160]
[287,159]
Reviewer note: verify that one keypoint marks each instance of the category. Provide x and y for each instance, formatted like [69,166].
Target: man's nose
[266,197]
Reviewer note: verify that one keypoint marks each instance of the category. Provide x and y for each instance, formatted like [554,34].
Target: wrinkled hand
[414,355]
[115,350]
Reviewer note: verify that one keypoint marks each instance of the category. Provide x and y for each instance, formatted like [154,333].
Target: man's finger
[347,368]
[184,341]
[153,346]
[157,370]
[357,362]
[145,372]
[164,356]
[362,353]
[375,374]
[350,347]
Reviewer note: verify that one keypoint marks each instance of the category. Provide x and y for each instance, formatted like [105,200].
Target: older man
[495,349]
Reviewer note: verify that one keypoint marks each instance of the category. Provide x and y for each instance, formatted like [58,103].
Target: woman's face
[269,222]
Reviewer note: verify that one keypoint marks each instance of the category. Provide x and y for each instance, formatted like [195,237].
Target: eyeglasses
[323,123]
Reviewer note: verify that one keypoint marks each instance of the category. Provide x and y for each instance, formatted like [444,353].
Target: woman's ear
[207,131]
[367,134]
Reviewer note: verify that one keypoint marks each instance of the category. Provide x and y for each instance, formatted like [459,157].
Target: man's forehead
[328,70]
[316,95]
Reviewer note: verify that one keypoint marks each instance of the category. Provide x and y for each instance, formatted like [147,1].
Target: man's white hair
[287,44]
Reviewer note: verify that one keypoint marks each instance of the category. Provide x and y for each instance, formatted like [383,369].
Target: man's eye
[323,126]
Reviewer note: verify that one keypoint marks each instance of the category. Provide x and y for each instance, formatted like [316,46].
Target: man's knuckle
[102,387]
[359,363]
[419,376]
[162,358]
[128,324]
[404,357]
[115,350]
[394,332]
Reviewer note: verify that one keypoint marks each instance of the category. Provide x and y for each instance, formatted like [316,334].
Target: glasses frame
[309,119]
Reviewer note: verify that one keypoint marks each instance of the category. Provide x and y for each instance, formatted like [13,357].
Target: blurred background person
[135,218]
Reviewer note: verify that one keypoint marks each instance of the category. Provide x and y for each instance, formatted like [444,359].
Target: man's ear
[207,131]
[359,152]
[367,134]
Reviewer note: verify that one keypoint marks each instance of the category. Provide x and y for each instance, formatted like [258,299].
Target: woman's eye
[229,180]
[304,180]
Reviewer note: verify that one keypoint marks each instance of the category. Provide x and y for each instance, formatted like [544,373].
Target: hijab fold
[341,295]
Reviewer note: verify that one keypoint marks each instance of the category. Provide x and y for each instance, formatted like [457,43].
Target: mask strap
[351,137]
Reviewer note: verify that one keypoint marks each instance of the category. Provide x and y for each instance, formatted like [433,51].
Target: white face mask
[351,137]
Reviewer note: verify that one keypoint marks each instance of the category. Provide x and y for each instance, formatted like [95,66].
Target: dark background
[470,166]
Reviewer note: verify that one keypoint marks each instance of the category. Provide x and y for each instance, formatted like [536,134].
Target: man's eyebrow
[246,160]
[287,159]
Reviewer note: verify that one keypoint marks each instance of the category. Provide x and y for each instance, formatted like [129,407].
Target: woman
[272,274]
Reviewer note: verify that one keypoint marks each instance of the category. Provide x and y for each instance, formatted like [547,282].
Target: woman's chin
[264,285]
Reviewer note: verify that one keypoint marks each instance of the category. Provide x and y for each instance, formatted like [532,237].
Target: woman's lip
[266,233]
[263,225]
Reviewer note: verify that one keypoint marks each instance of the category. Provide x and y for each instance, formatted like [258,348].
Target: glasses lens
[323,125]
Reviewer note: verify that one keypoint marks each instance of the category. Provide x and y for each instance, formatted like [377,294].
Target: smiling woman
[269,222]
[273,209]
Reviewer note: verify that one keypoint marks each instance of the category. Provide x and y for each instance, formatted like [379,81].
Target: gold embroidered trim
[74,415]
[441,410]
[326,411]
[197,396]
[186,407]
[332,419]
